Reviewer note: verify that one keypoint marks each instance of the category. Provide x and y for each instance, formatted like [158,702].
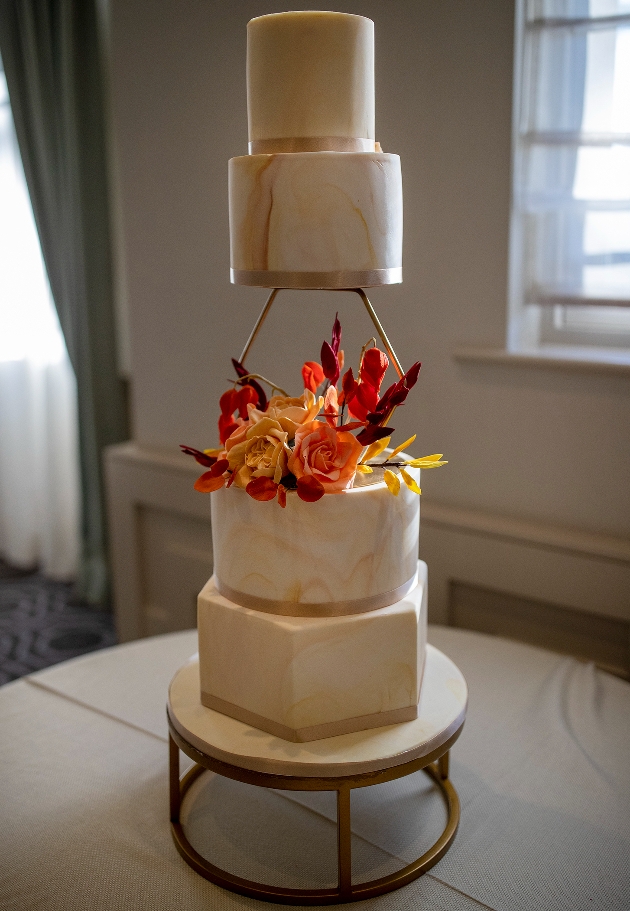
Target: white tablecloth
[541,768]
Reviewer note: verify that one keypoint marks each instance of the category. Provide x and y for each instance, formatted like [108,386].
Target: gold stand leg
[344,843]
[173,770]
[345,891]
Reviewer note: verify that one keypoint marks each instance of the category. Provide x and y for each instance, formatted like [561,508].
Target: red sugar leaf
[411,376]
[336,335]
[309,489]
[312,375]
[199,456]
[373,367]
[372,433]
[209,482]
[282,495]
[227,426]
[353,425]
[228,403]
[348,384]
[241,371]
[219,468]
[330,364]
[245,396]
[262,489]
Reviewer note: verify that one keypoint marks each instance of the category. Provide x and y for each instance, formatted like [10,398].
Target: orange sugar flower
[325,455]
[313,375]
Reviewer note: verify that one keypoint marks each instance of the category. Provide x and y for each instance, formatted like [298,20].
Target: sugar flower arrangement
[315,443]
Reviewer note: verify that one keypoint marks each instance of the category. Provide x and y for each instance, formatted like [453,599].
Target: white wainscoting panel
[160,539]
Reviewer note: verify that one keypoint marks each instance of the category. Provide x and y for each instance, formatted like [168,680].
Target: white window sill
[574,359]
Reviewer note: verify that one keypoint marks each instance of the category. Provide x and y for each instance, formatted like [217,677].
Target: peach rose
[326,455]
[257,450]
[289,412]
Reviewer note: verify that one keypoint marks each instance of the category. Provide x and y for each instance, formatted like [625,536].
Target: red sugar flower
[313,375]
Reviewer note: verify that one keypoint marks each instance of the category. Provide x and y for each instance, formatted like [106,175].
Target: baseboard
[587,636]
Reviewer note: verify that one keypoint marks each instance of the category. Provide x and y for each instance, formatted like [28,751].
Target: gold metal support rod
[344,842]
[174,789]
[370,309]
[443,765]
[259,322]
[368,306]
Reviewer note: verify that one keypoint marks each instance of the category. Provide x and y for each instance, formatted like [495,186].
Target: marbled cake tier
[316,219]
[305,678]
[347,553]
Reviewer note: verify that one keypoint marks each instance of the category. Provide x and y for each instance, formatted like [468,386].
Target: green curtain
[51,56]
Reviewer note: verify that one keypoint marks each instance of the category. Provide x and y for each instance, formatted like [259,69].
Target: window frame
[553,322]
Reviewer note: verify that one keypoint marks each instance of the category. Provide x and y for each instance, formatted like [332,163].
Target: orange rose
[322,453]
[257,450]
[289,412]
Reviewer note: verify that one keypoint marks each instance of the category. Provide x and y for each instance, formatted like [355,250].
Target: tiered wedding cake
[314,622]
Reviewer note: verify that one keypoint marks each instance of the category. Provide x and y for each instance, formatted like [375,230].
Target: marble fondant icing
[307,678]
[316,212]
[354,545]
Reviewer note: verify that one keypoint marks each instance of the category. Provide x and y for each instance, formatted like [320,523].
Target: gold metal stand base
[435,765]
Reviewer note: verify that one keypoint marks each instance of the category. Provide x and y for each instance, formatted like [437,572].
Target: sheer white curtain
[39,467]
[571,226]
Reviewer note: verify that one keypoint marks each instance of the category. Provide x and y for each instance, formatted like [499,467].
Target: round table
[234,750]
[541,769]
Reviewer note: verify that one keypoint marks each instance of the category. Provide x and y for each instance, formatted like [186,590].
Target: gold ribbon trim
[343,279]
[316,608]
[314,732]
[312,144]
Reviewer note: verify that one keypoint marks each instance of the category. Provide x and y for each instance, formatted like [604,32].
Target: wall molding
[161,550]
[538,534]
[580,361]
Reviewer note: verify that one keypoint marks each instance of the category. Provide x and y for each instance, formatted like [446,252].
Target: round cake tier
[310,75]
[347,553]
[316,220]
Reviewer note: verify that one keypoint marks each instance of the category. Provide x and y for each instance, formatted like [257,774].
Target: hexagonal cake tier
[305,678]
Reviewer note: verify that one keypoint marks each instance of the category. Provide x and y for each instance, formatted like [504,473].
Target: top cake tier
[315,203]
[310,83]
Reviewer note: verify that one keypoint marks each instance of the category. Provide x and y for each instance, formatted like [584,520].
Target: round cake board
[441,712]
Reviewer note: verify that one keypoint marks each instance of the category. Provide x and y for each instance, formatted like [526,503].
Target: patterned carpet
[40,624]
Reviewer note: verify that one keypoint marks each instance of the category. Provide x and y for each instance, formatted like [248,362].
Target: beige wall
[543,447]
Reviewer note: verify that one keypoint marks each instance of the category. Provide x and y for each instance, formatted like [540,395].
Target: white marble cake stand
[235,750]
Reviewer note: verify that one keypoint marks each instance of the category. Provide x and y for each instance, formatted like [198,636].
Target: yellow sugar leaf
[373,451]
[432,461]
[401,447]
[392,482]
[213,453]
[409,481]
[364,469]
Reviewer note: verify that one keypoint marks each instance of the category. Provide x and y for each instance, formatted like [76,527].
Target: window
[39,466]
[29,328]
[570,243]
